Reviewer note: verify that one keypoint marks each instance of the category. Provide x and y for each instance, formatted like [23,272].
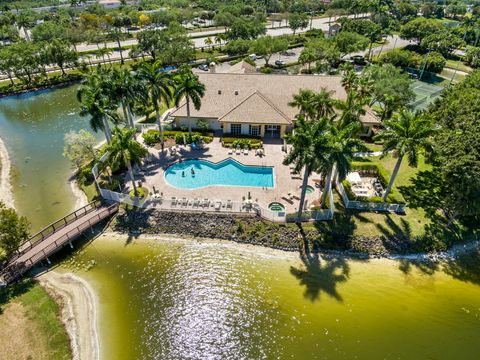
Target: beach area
[6,194]
[79,311]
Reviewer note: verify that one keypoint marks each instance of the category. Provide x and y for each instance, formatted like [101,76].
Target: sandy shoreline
[81,198]
[6,194]
[79,312]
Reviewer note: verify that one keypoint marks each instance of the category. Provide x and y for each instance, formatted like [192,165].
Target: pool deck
[152,175]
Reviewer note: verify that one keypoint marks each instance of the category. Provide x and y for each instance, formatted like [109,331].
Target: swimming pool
[195,174]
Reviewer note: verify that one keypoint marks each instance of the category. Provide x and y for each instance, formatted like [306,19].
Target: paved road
[319,23]
[393,42]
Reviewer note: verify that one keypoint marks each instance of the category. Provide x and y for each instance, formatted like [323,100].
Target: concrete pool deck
[152,175]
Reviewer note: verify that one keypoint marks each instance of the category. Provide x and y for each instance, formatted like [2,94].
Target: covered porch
[270,131]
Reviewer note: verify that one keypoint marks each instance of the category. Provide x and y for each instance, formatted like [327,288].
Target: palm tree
[309,144]
[188,86]
[25,20]
[323,103]
[352,109]
[303,101]
[95,103]
[349,77]
[208,41]
[122,89]
[158,85]
[125,149]
[342,144]
[406,133]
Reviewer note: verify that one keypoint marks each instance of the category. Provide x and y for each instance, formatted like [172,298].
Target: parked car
[280,62]
[358,60]
[252,57]
[203,67]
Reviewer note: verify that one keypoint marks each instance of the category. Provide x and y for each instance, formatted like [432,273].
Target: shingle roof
[242,67]
[225,92]
[255,109]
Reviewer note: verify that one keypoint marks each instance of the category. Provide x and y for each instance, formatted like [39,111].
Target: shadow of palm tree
[318,277]
[465,267]
[426,267]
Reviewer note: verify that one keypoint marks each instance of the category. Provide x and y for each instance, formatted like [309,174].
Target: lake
[192,300]
[33,126]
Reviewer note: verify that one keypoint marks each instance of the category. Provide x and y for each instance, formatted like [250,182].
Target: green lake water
[189,300]
[33,126]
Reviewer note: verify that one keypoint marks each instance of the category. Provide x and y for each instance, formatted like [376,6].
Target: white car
[252,57]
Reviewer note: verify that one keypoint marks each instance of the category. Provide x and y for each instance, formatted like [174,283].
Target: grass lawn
[30,326]
[90,191]
[452,64]
[364,223]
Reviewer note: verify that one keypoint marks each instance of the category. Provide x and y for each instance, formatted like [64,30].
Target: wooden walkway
[52,238]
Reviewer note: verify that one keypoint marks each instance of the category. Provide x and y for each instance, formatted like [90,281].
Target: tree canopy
[457,145]
[13,231]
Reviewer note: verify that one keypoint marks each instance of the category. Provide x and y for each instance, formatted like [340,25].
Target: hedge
[381,173]
[242,141]
[152,137]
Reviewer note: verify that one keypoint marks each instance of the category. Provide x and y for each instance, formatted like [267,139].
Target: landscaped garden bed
[181,137]
[242,141]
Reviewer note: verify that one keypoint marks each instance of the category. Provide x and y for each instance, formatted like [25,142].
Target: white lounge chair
[218,205]
[230,151]
[239,151]
[174,201]
[196,202]
[205,202]
[245,152]
[229,204]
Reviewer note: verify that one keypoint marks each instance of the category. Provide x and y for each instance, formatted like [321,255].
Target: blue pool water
[195,174]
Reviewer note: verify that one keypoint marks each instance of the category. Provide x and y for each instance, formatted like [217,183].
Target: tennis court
[425,93]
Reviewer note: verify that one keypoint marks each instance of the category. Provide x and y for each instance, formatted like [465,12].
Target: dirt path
[79,313]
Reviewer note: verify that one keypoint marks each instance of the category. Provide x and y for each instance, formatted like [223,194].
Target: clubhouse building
[257,104]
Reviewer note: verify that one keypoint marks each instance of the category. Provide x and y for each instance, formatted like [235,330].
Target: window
[236,128]
[255,130]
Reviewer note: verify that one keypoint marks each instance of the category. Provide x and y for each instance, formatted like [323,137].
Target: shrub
[244,141]
[152,137]
[382,175]
[401,58]
[141,192]
[266,70]
[473,56]
[435,62]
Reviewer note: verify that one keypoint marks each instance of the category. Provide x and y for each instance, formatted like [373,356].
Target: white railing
[122,198]
[368,206]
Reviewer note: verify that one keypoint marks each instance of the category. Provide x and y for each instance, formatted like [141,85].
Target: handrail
[12,271]
[54,228]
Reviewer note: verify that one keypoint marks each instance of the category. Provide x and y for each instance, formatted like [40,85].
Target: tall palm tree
[406,133]
[95,103]
[188,86]
[158,85]
[349,77]
[125,149]
[342,144]
[303,101]
[122,88]
[309,144]
[323,103]
[352,109]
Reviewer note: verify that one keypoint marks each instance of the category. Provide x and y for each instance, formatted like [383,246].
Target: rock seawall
[253,230]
